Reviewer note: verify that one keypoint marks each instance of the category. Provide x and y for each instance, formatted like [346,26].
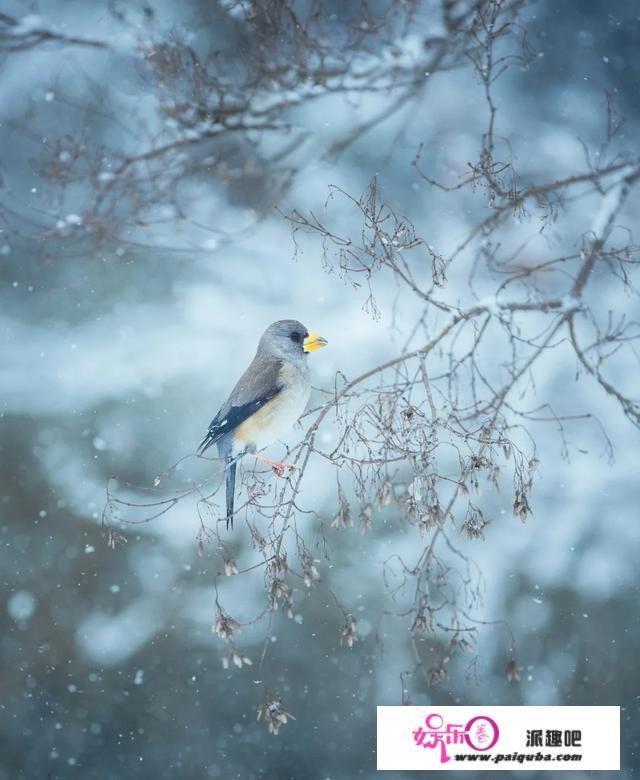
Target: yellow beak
[313,341]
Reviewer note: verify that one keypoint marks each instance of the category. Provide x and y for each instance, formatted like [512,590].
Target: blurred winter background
[117,349]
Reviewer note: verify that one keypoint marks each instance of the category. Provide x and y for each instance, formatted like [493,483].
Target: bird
[266,401]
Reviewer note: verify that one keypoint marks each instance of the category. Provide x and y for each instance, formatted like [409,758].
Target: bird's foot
[280,467]
[276,465]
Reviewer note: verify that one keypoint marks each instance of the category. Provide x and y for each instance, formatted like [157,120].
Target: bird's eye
[297,337]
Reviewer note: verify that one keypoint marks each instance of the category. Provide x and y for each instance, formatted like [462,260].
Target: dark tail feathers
[230,480]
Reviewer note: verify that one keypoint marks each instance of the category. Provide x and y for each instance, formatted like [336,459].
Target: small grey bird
[267,400]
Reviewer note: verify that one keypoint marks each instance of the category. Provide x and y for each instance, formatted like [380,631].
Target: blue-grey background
[114,358]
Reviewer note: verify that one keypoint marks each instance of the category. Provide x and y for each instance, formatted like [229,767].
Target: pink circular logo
[481,733]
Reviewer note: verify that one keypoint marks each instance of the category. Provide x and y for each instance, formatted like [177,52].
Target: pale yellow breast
[276,418]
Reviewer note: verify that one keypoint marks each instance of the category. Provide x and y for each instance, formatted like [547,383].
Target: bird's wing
[260,383]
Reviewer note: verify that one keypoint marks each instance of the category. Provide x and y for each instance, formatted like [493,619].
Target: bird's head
[290,339]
